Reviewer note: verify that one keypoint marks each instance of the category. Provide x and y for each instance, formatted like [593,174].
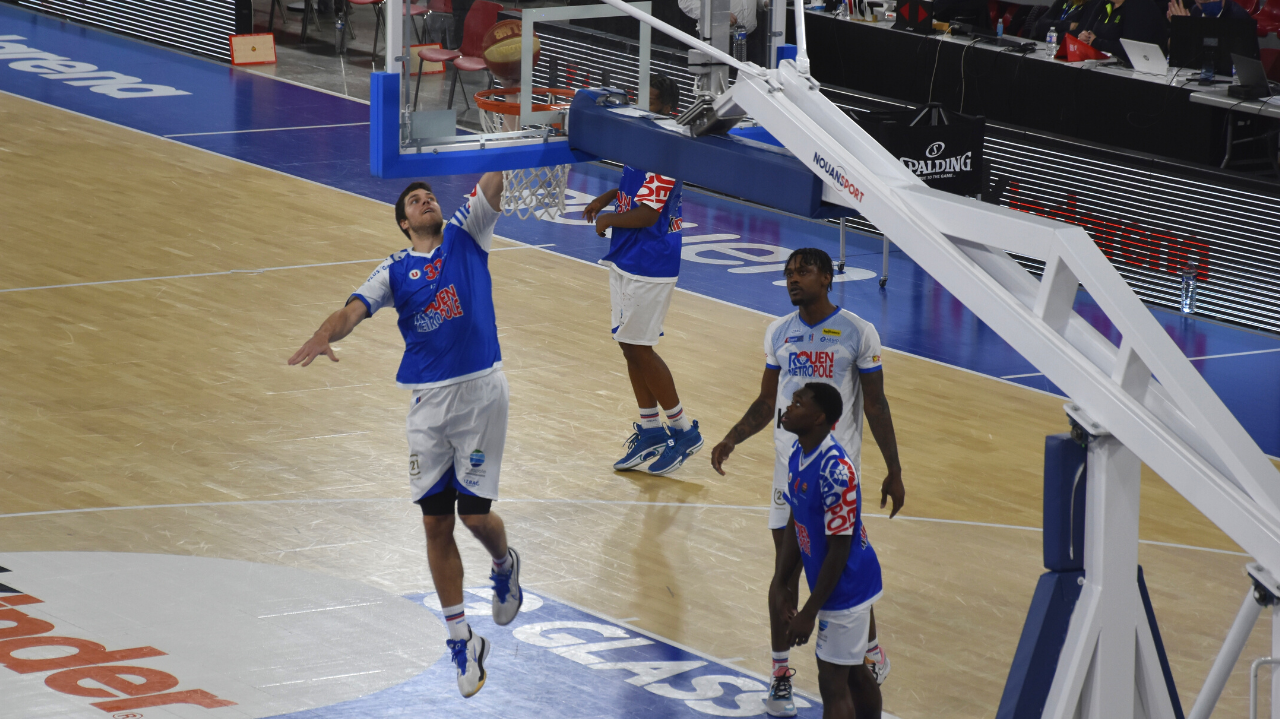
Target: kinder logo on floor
[55,67]
[91,635]
[125,687]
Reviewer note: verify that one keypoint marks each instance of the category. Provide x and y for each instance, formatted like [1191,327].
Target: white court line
[1189,359]
[612,502]
[197,274]
[265,129]
[238,272]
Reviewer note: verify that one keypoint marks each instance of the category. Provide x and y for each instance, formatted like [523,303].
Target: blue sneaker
[680,447]
[644,445]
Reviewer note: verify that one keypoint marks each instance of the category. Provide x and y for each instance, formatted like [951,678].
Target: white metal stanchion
[884,270]
[840,266]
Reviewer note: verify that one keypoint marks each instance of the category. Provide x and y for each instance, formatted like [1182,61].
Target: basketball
[500,49]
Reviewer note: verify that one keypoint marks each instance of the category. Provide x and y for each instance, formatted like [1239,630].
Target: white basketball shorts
[779,510]
[637,308]
[456,434]
[842,635]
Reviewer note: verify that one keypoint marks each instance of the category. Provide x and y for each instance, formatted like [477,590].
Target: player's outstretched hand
[893,488]
[720,453]
[312,349]
[799,629]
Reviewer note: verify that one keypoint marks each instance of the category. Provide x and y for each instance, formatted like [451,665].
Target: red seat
[1250,6]
[482,16]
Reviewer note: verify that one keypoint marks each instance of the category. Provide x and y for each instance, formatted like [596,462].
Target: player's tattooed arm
[759,415]
[876,407]
[338,325]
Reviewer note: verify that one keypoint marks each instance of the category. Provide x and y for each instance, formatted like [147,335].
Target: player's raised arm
[759,415]
[491,186]
[338,325]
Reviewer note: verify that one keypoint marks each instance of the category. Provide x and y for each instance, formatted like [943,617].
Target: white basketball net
[537,191]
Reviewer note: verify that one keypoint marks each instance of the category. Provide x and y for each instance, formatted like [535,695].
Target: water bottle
[740,43]
[1052,40]
[1000,27]
[1189,288]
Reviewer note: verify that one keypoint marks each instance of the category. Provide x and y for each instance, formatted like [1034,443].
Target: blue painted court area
[556,660]
[733,252]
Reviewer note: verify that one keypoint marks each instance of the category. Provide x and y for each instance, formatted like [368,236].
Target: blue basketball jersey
[826,499]
[648,252]
[444,300]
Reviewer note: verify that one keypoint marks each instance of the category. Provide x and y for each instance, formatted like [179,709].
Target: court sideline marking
[1189,359]
[604,502]
[263,129]
[518,246]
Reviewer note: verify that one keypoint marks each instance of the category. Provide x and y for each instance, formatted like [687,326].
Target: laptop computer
[1146,58]
[1252,77]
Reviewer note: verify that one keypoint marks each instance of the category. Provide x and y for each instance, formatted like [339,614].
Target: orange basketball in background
[500,49]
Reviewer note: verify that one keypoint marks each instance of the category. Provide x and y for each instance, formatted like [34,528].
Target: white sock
[456,619]
[676,418]
[649,418]
[780,662]
[874,653]
[503,565]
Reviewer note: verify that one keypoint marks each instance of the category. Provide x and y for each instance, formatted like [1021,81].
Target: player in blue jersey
[824,343]
[443,294]
[644,261]
[825,535]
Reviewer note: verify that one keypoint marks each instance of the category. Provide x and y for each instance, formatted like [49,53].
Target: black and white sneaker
[779,702]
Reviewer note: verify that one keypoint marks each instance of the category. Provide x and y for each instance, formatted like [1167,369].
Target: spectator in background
[1217,8]
[1107,21]
[460,10]
[741,12]
[1064,16]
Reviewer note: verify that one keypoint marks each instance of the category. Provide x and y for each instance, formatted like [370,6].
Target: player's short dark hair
[828,400]
[668,90]
[815,258]
[418,185]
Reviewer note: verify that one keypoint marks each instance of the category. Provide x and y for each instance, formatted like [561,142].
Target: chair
[441,12]
[482,16]
[377,24]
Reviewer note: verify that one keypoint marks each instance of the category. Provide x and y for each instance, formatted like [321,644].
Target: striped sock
[649,418]
[456,619]
[780,662]
[676,418]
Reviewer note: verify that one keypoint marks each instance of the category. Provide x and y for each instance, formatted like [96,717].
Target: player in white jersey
[457,425]
[818,343]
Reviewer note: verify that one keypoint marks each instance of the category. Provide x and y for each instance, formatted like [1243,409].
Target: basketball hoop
[537,191]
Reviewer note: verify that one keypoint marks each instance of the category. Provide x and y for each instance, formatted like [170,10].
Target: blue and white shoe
[643,445]
[681,446]
[779,702]
[507,596]
[468,657]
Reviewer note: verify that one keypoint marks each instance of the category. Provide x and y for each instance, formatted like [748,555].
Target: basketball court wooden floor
[159,417]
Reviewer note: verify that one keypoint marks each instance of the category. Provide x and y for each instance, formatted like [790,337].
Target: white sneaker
[507,596]
[779,702]
[878,663]
[469,656]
